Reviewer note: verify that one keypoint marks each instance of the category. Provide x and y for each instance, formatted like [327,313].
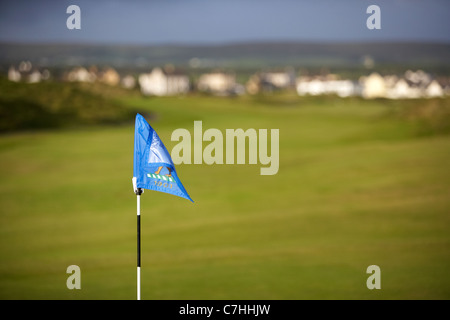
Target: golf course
[360,183]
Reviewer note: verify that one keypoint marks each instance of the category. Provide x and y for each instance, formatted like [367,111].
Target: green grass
[359,184]
[58,105]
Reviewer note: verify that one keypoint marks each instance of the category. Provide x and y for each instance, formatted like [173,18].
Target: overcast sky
[223,21]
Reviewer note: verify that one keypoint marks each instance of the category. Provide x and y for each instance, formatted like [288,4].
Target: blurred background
[364,121]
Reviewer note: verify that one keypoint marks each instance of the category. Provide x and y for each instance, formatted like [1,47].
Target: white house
[159,82]
[373,86]
[418,77]
[13,74]
[310,86]
[128,82]
[26,73]
[402,89]
[325,85]
[81,74]
[434,90]
[34,77]
[343,88]
[217,82]
[413,85]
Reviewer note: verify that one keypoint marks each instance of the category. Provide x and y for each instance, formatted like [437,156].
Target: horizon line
[224,43]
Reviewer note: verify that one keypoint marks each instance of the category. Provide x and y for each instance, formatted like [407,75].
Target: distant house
[434,90]
[253,84]
[269,81]
[342,88]
[401,89]
[13,74]
[128,82]
[81,74]
[418,77]
[413,85]
[330,84]
[373,86]
[390,81]
[26,73]
[445,84]
[34,77]
[162,82]
[313,86]
[279,80]
[217,83]
[110,77]
[25,66]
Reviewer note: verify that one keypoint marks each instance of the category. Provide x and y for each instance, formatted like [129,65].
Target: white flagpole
[138,192]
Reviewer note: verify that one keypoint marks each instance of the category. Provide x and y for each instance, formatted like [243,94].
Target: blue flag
[153,167]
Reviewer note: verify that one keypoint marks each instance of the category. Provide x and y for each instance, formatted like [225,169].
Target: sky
[155,22]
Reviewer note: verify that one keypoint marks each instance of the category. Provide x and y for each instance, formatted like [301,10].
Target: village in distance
[168,81]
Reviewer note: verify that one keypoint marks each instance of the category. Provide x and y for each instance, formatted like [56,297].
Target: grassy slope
[50,104]
[354,189]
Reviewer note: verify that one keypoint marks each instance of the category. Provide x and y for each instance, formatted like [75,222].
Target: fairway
[357,185]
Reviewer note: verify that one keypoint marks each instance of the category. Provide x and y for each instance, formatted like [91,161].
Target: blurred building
[163,82]
[413,85]
[219,83]
[110,77]
[25,66]
[279,79]
[329,84]
[34,76]
[81,74]
[128,82]
[13,74]
[27,73]
[271,81]
[373,86]
[401,89]
[434,90]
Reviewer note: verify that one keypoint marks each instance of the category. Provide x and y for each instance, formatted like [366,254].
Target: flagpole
[138,194]
[149,154]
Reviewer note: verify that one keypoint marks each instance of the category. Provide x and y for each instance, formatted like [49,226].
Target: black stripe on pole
[139,240]
[139,191]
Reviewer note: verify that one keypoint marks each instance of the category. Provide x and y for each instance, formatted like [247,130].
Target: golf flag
[153,167]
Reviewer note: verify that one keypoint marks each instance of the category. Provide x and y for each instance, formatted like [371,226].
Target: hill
[54,105]
[236,55]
